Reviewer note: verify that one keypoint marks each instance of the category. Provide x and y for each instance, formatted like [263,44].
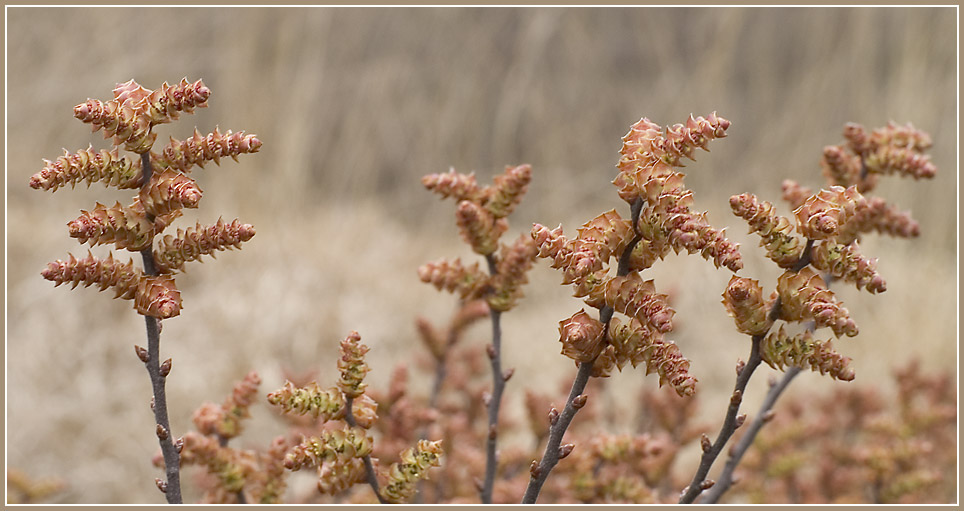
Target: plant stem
[729,422]
[550,458]
[172,461]
[729,425]
[736,454]
[495,400]
[369,467]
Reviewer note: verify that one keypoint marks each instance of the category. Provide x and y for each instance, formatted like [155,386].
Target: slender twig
[699,482]
[172,487]
[725,479]
[495,400]
[539,473]
[369,467]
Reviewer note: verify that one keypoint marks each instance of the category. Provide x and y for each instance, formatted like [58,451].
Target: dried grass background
[353,106]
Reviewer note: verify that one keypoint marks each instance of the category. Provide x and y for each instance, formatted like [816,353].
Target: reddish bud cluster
[743,299]
[128,118]
[780,350]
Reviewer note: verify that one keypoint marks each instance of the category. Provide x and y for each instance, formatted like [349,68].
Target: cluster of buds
[481,218]
[414,466]
[127,120]
[255,475]
[831,221]
[341,454]
[225,420]
[662,221]
[649,172]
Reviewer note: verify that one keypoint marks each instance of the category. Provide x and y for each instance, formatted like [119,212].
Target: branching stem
[369,467]
[550,458]
[696,486]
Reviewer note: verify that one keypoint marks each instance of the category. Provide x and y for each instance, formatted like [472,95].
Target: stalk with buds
[164,190]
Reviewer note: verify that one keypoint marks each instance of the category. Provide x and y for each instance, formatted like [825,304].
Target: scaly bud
[581,336]
[157,297]
[200,149]
[89,166]
[508,190]
[190,244]
[743,299]
[169,190]
[451,184]
[804,295]
[823,215]
[123,226]
[469,282]
[776,232]
[414,465]
[352,365]
[780,350]
[478,227]
[329,404]
[847,263]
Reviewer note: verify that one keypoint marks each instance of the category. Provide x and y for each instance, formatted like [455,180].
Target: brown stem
[172,463]
[736,454]
[696,486]
[495,400]
[550,458]
[369,467]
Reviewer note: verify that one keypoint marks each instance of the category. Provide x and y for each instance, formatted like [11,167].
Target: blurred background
[354,105]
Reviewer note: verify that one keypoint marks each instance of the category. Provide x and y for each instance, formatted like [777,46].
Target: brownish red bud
[200,149]
[478,227]
[579,401]
[581,336]
[469,282]
[169,190]
[161,485]
[142,354]
[565,450]
[823,215]
[452,184]
[840,168]
[740,419]
[904,161]
[847,263]
[364,410]
[125,121]
[333,445]
[553,416]
[123,226]
[743,299]
[91,270]
[804,295]
[352,365]
[780,350]
[776,232]
[165,103]
[507,374]
[705,443]
[508,190]
[707,484]
[88,166]
[189,245]
[534,469]
[631,296]
[157,297]
[162,432]
[165,368]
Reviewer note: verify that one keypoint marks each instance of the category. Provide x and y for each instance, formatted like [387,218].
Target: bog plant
[370,445]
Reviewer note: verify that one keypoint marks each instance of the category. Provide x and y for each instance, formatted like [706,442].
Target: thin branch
[539,473]
[699,482]
[369,467]
[738,450]
[172,462]
[495,400]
